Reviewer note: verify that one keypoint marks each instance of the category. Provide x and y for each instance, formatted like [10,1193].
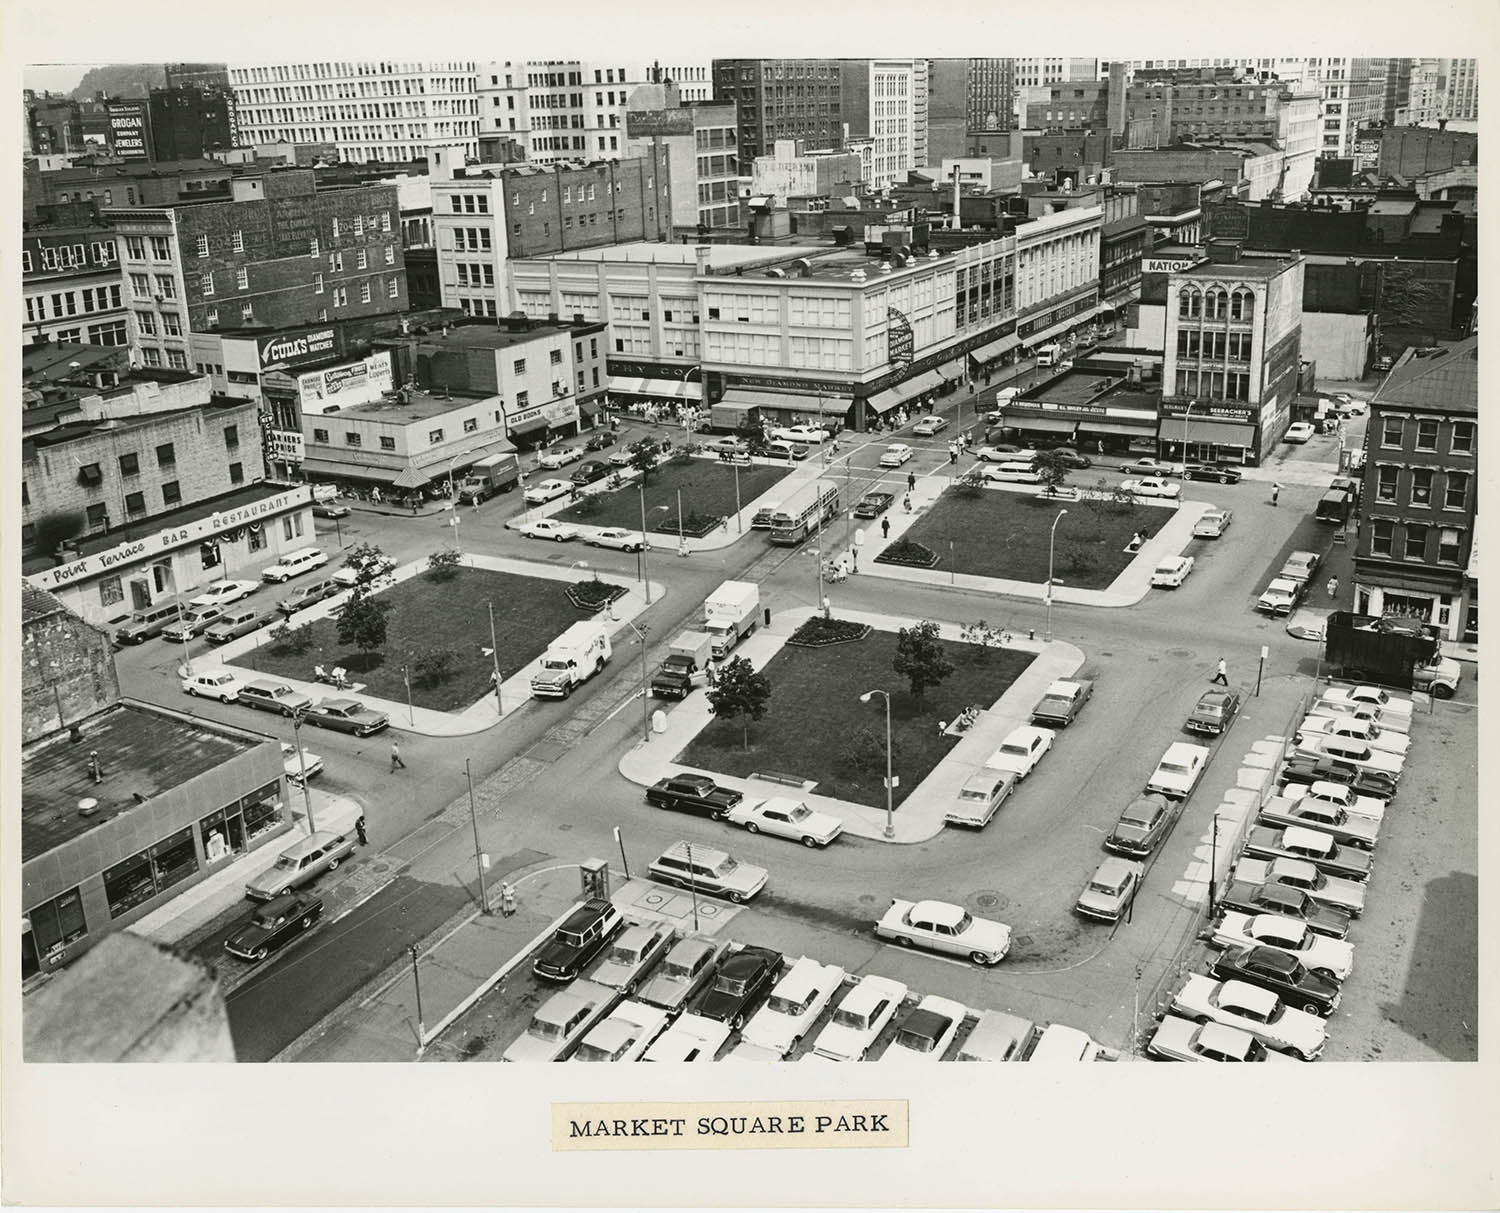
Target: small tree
[740,691]
[920,658]
[362,620]
[1122,499]
[443,564]
[643,458]
[287,639]
[431,666]
[1052,467]
[970,484]
[864,751]
[368,563]
[982,634]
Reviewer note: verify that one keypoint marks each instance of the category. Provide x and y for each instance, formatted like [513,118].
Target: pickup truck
[1062,701]
[688,793]
[683,668]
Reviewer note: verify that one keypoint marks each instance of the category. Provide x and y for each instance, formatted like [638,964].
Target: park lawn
[707,491]
[815,710]
[428,614]
[1003,534]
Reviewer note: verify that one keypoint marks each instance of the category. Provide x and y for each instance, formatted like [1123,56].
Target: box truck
[729,614]
[573,658]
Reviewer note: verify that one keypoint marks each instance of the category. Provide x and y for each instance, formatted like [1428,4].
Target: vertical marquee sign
[900,342]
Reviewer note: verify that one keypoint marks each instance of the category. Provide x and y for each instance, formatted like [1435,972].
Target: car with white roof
[617,538]
[979,798]
[1360,754]
[1338,725]
[630,957]
[930,425]
[1171,571]
[547,490]
[1300,566]
[1299,432]
[795,1004]
[1337,822]
[800,433]
[1212,524]
[1339,892]
[1147,466]
[561,1022]
[1361,711]
[745,1051]
[1339,795]
[926,1031]
[1389,705]
[1318,848]
[369,570]
[1252,1009]
[299,765]
[1150,486]
[998,1036]
[1330,957]
[944,927]
[294,564]
[558,456]
[549,528]
[1021,750]
[1273,897]
[1177,1039]
[305,860]
[1060,1043]
[689,1038]
[895,455]
[214,684]
[786,818]
[1280,597]
[222,593]
[859,1018]
[234,623]
[1179,770]
[1062,701]
[190,623]
[624,1035]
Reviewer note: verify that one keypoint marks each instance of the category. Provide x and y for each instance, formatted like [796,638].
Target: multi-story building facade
[696,142]
[72,284]
[571,109]
[789,171]
[782,99]
[1463,89]
[188,122]
[1233,346]
[158,184]
[366,110]
[280,253]
[1416,553]
[886,99]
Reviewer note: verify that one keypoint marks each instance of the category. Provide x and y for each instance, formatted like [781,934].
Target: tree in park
[920,658]
[739,690]
[644,458]
[1052,467]
[362,620]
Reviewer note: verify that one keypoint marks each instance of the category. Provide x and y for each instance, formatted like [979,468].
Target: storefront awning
[1144,430]
[825,406]
[1048,425]
[884,401]
[671,389]
[625,385]
[411,478]
[530,425]
[995,348]
[1223,433]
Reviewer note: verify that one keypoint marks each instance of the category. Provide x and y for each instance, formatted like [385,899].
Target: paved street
[548,793]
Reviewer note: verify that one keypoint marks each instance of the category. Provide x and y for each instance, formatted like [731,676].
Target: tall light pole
[640,635]
[1186,413]
[682,548]
[645,544]
[890,825]
[302,769]
[453,522]
[1051,553]
[452,488]
[484,896]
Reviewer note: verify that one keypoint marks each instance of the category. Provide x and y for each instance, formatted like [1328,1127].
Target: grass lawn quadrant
[707,490]
[428,614]
[1005,535]
[815,710]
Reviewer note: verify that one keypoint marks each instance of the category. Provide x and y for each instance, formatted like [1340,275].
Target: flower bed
[908,552]
[817,632]
[593,595]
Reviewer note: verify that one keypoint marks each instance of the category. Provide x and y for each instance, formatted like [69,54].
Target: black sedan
[1068,457]
[873,505]
[1307,770]
[275,925]
[1143,823]
[1281,973]
[1274,897]
[324,509]
[689,793]
[600,441]
[1213,471]
[590,471]
[739,985]
[346,716]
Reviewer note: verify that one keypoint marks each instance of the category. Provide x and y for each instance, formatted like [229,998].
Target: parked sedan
[930,425]
[686,970]
[1336,891]
[1274,897]
[1320,724]
[346,716]
[1212,524]
[795,1004]
[1329,957]
[624,1036]
[558,456]
[621,457]
[1172,571]
[1151,486]
[861,1015]
[927,1031]
[615,537]
[630,957]
[222,593]
[303,861]
[1021,750]
[1143,823]
[1318,848]
[740,983]
[800,433]
[1389,705]
[872,505]
[559,1024]
[1360,753]
[214,684]
[299,765]
[190,623]
[1253,1009]
[1070,458]
[1213,713]
[1178,1039]
[590,471]
[1299,432]
[895,455]
[1280,597]
[1282,974]
[547,490]
[234,624]
[274,926]
[945,927]
[1301,769]
[690,793]
[1147,466]
[1110,889]
[600,441]
[786,819]
[324,509]
[1212,471]
[549,528]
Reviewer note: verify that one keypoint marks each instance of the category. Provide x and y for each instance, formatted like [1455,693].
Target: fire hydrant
[507,899]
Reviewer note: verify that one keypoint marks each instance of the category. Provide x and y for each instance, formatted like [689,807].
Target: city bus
[800,514]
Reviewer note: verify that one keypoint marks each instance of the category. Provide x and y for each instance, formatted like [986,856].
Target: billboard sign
[352,383]
[127,131]
[644,124]
[1167,265]
[298,349]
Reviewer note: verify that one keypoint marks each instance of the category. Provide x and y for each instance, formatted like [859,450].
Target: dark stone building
[187,123]
[782,99]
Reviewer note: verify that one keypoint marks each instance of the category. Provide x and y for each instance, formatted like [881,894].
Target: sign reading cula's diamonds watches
[760,1125]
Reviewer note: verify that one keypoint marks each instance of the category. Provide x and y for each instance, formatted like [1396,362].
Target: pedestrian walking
[359,828]
[1221,675]
[1101,446]
[953,452]
[1275,492]
[1333,587]
[507,899]
[885,528]
[396,757]
[474,502]
[906,503]
[911,482]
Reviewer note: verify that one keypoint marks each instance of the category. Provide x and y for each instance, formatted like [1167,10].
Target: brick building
[1416,552]
[160,184]
[67,666]
[782,99]
[188,122]
[72,285]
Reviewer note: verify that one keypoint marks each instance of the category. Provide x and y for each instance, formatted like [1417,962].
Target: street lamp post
[484,896]
[890,825]
[302,770]
[1213,866]
[1051,553]
[411,714]
[1186,413]
[640,635]
[453,522]
[416,976]
[495,655]
[682,548]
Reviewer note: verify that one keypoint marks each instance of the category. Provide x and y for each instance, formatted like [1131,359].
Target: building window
[171,493]
[434,437]
[161,248]
[387,443]
[1463,436]
[89,474]
[135,248]
[1416,541]
[340,296]
[1427,433]
[242,278]
[353,438]
[1448,545]
[312,247]
[141,877]
[202,246]
[1385,484]
[335,227]
[135,504]
[166,286]
[231,437]
[390,254]
[57,923]
[320,435]
[171,324]
[471,425]
[237,241]
[111,591]
[97,516]
[236,473]
[317,284]
[1392,430]
[256,534]
[361,260]
[523,399]
[130,464]
[335,263]
[213,317]
[556,356]
[1382,536]
[393,288]
[364,292]
[208,284]
[519,366]
[166,456]
[1421,486]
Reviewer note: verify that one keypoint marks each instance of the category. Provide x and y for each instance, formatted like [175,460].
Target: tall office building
[368,111]
[1463,89]
[573,109]
[782,99]
[886,101]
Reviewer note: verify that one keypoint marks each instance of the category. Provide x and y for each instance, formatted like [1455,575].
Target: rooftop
[1260,267]
[1444,377]
[488,337]
[73,431]
[143,752]
[720,256]
[418,406]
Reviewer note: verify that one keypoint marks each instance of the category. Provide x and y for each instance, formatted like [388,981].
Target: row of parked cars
[654,995]
[1289,586]
[1284,917]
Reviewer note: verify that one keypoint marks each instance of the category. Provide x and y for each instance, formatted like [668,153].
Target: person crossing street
[396,757]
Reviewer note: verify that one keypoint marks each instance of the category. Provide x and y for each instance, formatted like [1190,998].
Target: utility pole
[484,896]
[495,655]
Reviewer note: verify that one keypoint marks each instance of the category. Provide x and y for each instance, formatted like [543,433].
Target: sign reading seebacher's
[299,349]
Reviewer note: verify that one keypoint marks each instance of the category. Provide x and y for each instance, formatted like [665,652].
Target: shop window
[129,884]
[57,923]
[135,503]
[111,591]
[1382,536]
[223,835]
[1421,486]
[262,810]
[1448,545]
[1427,432]
[256,534]
[209,554]
[171,493]
[1416,541]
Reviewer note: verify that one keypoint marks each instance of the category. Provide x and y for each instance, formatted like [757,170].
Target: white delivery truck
[684,667]
[574,657]
[729,614]
[1049,355]
[496,474]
